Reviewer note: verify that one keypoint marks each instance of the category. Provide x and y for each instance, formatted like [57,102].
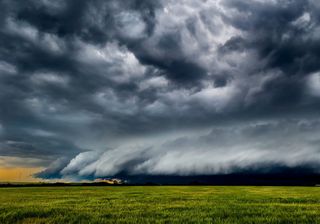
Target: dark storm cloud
[112,76]
[284,34]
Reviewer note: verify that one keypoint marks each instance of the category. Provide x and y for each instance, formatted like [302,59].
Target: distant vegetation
[159,204]
[100,182]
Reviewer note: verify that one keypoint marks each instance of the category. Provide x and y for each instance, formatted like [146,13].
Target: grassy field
[185,204]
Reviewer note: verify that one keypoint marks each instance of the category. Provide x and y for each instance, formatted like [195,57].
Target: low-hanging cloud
[254,147]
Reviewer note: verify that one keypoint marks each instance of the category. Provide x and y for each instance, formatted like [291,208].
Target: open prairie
[160,204]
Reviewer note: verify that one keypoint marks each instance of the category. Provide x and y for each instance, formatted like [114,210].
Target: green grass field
[185,204]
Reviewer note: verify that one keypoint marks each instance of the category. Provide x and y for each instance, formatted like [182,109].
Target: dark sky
[192,87]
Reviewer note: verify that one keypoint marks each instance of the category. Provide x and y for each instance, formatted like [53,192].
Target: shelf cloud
[94,89]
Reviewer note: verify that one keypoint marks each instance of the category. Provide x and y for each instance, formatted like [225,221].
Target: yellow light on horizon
[19,174]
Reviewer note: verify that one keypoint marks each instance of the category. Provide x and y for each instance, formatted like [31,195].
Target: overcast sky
[94,88]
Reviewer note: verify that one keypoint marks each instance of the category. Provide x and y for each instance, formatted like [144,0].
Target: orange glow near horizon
[19,174]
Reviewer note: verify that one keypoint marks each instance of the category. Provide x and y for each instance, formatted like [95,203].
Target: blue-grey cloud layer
[159,87]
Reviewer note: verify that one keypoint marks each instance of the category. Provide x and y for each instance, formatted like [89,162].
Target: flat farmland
[160,204]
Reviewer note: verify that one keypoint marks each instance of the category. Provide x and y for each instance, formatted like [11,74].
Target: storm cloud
[98,88]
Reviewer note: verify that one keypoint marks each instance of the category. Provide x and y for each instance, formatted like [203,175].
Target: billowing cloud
[223,150]
[101,88]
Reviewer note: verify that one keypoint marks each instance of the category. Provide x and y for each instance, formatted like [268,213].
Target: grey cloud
[53,171]
[100,76]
